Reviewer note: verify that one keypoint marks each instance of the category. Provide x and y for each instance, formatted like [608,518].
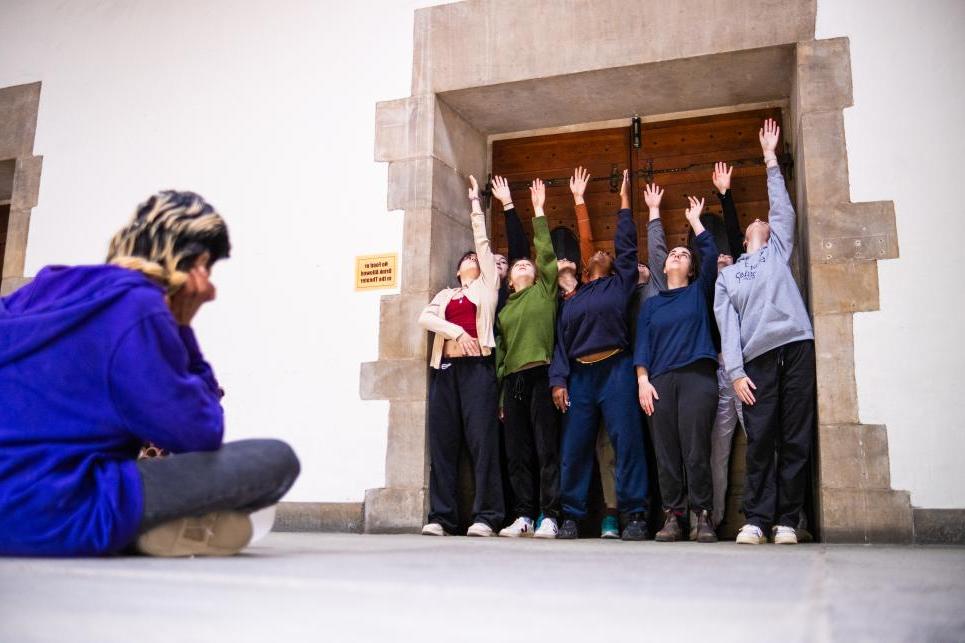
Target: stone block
[834,348]
[854,456]
[869,516]
[823,70]
[406,462]
[18,113]
[939,526]
[410,184]
[458,144]
[400,337]
[470,44]
[394,379]
[15,251]
[324,517]
[853,232]
[26,182]
[404,128]
[823,159]
[395,510]
[844,287]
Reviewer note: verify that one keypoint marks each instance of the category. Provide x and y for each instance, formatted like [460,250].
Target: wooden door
[678,155]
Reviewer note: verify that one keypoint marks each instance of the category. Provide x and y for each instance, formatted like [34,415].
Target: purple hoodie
[92,365]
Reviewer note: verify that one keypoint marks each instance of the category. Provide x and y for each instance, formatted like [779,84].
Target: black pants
[532,443]
[463,407]
[682,420]
[246,475]
[780,422]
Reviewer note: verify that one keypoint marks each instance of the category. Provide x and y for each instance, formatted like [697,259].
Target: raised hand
[537,192]
[768,136]
[578,183]
[501,190]
[473,188]
[696,207]
[743,387]
[625,191]
[722,176]
[652,194]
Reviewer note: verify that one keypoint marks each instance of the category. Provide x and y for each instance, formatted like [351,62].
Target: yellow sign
[376,271]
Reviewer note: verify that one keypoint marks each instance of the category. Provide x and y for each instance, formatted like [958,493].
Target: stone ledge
[395,510]
[824,66]
[866,516]
[323,517]
[939,526]
[403,128]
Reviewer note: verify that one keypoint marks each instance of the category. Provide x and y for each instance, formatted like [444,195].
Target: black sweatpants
[463,407]
[532,443]
[781,421]
[681,423]
[246,475]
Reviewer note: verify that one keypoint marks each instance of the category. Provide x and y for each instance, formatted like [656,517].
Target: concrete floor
[315,587]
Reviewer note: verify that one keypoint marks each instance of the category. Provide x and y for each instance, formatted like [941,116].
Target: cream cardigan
[483,292]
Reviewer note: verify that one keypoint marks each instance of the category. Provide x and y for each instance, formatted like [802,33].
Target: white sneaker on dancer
[522,528]
[785,535]
[751,535]
[434,529]
[480,529]
[547,529]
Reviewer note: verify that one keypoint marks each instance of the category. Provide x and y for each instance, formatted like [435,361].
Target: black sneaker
[636,528]
[568,531]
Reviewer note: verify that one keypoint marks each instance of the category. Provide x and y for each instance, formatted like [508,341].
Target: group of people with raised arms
[570,364]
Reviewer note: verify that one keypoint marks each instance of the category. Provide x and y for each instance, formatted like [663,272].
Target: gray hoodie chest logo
[748,271]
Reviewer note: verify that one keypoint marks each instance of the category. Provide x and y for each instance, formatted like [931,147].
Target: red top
[462,312]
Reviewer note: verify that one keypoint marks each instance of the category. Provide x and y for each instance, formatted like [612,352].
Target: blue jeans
[608,387]
[246,475]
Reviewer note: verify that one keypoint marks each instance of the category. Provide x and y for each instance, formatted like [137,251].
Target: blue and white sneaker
[610,527]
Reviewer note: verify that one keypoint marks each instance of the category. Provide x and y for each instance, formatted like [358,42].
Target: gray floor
[313,587]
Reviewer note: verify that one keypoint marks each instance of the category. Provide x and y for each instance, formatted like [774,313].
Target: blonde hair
[167,233]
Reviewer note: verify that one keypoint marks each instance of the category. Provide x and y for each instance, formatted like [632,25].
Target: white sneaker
[434,529]
[547,529]
[751,535]
[480,529]
[785,535]
[522,528]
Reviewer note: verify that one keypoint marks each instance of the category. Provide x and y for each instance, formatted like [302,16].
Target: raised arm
[546,268]
[656,238]
[578,184]
[484,252]
[706,247]
[625,241]
[515,234]
[735,236]
[781,215]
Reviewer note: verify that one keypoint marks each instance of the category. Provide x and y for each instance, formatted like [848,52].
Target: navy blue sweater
[595,318]
[674,328]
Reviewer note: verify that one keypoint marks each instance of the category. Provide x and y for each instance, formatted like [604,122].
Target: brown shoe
[705,528]
[671,531]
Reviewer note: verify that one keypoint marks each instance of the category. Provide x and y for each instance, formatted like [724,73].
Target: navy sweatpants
[608,388]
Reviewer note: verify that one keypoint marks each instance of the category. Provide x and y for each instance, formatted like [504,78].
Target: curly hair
[167,234]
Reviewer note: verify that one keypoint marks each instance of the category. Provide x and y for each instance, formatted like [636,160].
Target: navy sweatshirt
[674,329]
[595,318]
[92,366]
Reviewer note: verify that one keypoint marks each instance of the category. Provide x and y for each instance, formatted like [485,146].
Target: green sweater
[527,322]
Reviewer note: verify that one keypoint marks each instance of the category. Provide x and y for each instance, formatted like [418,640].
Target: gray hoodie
[757,303]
